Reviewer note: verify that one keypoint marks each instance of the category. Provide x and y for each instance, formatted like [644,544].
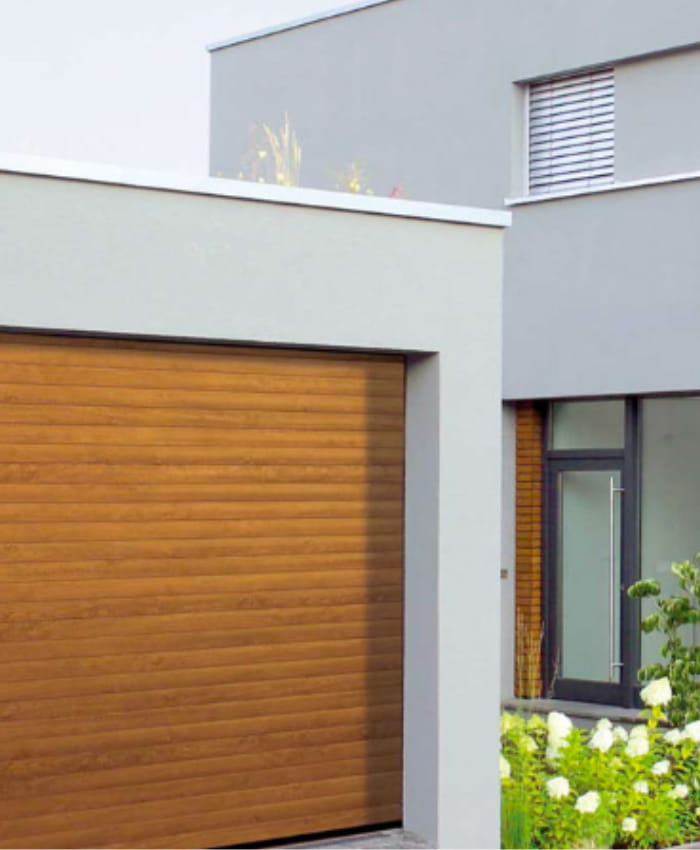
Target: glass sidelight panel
[589,564]
[670,503]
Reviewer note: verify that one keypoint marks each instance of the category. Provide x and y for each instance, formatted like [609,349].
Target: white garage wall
[90,256]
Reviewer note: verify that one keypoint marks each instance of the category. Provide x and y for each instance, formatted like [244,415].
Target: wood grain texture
[529,451]
[201,585]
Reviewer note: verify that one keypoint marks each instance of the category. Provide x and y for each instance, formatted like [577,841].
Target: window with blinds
[572,131]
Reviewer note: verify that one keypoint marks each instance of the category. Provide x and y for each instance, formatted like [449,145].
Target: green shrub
[680,662]
[567,787]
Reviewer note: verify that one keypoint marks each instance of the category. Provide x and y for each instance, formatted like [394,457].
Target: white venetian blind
[572,131]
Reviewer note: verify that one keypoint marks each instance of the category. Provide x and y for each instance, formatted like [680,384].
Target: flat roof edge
[297,22]
[243,190]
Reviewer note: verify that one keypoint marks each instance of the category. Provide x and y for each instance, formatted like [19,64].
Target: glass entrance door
[585,589]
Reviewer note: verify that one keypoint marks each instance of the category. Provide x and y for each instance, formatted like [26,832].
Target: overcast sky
[120,81]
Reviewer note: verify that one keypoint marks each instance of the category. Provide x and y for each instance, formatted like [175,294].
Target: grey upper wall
[599,291]
[422,94]
[604,294]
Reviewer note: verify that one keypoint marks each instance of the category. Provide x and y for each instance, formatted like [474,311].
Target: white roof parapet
[298,22]
[244,190]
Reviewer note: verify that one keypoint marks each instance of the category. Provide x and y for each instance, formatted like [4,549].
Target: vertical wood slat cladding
[528,549]
[201,557]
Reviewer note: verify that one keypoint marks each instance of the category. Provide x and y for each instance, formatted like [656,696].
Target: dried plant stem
[528,658]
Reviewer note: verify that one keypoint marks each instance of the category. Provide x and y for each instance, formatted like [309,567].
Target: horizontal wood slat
[54,630]
[64,768]
[167,417]
[126,435]
[193,455]
[293,800]
[113,780]
[295,491]
[244,774]
[29,513]
[201,552]
[361,385]
[128,701]
[209,566]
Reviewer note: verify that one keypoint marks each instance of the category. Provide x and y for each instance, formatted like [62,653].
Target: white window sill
[600,190]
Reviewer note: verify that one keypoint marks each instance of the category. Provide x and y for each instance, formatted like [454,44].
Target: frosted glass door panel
[589,537]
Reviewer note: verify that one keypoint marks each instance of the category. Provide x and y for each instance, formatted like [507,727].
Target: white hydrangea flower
[587,803]
[602,739]
[558,725]
[629,824]
[657,692]
[603,723]
[661,767]
[620,733]
[638,746]
[504,767]
[673,736]
[692,731]
[679,792]
[641,786]
[558,787]
[639,732]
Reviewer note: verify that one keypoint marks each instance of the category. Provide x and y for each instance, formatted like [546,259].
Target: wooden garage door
[200,592]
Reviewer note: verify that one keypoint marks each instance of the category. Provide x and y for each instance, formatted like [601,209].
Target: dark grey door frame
[626,461]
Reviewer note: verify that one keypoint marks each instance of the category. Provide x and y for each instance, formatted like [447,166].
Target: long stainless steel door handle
[614,664]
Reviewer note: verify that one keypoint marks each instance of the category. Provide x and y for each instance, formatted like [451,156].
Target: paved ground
[385,839]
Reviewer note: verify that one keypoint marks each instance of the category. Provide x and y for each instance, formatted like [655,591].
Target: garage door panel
[114,494]
[119,683]
[58,668]
[196,455]
[113,703]
[29,631]
[138,765]
[253,821]
[196,639]
[199,548]
[95,473]
[318,821]
[217,565]
[55,732]
[240,802]
[107,608]
[225,779]
[97,396]
[65,414]
[27,792]
[42,512]
[70,739]
[200,592]
[173,435]
[360,385]
[24,531]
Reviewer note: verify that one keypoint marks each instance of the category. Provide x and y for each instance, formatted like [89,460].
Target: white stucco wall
[93,256]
